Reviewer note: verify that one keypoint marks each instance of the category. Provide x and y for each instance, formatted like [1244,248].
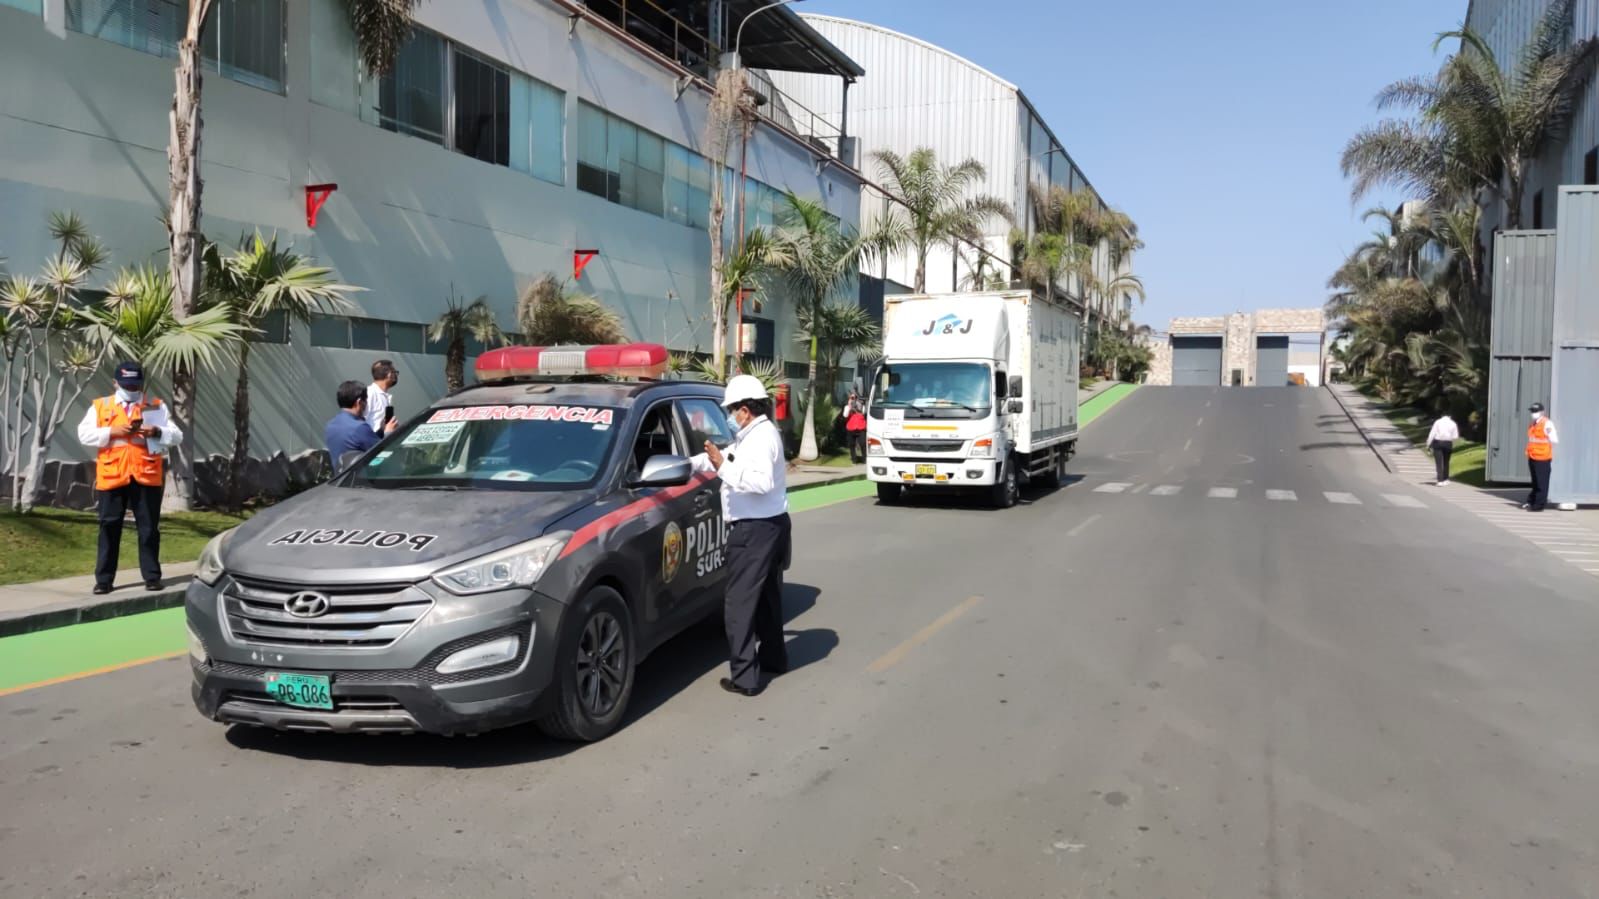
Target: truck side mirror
[1000,384]
[1013,406]
[1015,385]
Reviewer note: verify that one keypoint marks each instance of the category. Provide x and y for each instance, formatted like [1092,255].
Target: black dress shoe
[154,585]
[102,589]
[729,686]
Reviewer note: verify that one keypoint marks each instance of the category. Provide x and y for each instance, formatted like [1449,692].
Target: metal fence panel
[1574,403]
[1513,385]
[1524,292]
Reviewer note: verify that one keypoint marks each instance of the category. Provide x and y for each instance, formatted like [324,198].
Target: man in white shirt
[1441,440]
[131,434]
[755,507]
[378,398]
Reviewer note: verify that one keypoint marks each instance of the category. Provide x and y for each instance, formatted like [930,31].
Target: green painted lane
[45,656]
[62,652]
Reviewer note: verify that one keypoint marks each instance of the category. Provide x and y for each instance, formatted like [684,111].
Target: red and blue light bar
[622,360]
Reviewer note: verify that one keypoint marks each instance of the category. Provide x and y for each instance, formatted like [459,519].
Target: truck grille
[366,615]
[927,446]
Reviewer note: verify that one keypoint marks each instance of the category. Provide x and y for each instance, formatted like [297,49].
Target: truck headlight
[983,448]
[518,566]
[210,570]
[483,655]
[874,447]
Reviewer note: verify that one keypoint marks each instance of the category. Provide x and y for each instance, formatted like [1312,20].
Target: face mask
[129,396]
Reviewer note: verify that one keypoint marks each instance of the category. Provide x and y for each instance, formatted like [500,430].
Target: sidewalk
[1392,447]
[1096,389]
[41,605]
[801,475]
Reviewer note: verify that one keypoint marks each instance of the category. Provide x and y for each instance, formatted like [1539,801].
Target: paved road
[1131,693]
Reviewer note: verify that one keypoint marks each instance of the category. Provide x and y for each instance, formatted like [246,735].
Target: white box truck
[975,391]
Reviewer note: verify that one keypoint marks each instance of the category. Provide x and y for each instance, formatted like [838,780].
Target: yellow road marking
[65,678]
[894,656]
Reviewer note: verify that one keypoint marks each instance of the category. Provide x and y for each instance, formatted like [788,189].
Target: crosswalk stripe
[1404,501]
[1346,499]
[1287,496]
[1112,487]
[1166,490]
[1223,492]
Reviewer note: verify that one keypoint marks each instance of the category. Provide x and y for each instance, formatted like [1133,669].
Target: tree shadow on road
[1332,444]
[669,670]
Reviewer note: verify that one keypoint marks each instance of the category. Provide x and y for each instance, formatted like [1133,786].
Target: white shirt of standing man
[753,472]
[378,398]
[1443,429]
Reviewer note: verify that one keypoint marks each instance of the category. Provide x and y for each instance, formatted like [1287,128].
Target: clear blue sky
[1216,125]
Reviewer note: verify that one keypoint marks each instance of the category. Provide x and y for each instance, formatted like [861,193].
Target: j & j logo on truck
[949,324]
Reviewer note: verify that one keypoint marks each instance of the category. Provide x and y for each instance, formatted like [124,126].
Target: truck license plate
[306,691]
[926,471]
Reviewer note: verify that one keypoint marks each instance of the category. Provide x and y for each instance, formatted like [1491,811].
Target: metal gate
[1196,361]
[1521,344]
[1271,361]
[1574,387]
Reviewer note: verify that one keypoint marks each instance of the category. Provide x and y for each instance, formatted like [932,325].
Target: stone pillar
[1238,350]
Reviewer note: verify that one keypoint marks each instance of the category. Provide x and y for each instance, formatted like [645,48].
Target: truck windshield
[934,390]
[493,448]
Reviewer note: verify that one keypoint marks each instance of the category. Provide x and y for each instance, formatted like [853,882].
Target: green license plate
[926,471]
[306,691]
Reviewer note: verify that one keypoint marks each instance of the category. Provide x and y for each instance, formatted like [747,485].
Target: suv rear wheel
[594,670]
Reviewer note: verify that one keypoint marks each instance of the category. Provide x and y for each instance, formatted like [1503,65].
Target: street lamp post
[737,61]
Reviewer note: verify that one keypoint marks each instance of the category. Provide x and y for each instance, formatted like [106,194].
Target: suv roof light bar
[621,361]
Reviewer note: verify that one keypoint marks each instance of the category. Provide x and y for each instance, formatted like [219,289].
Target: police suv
[508,555]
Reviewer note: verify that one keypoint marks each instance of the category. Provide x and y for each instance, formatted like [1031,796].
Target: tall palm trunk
[921,269]
[183,230]
[455,363]
[241,428]
[808,449]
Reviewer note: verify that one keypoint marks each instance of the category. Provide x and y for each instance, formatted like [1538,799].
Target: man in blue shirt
[348,431]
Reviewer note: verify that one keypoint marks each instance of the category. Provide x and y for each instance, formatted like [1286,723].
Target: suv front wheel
[594,671]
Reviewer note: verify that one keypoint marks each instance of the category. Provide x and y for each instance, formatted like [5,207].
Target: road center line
[1200,422]
[1083,526]
[894,656]
[1188,443]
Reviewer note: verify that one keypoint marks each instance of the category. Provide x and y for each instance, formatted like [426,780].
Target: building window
[640,170]
[482,94]
[1590,167]
[243,39]
[405,337]
[330,331]
[411,95]
[274,328]
[29,6]
[538,115]
[368,334]
[1537,210]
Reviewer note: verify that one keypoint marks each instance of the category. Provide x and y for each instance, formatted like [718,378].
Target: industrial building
[916,94]
[1265,348]
[509,137]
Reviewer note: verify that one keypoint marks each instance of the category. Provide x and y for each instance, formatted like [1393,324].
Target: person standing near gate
[132,434]
[755,507]
[1441,440]
[1541,440]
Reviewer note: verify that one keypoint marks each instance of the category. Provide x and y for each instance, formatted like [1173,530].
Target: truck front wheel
[1006,491]
[888,494]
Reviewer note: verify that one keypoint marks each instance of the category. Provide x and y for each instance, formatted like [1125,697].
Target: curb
[66,614]
[1362,431]
[828,482]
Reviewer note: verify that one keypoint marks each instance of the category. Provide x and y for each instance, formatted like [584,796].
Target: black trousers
[757,553]
[1441,451]
[1539,496]
[857,446]
[114,504]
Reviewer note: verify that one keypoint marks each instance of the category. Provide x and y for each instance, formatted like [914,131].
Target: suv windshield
[933,390]
[494,448]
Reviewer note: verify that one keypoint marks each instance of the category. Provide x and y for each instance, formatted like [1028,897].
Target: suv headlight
[210,568]
[518,566]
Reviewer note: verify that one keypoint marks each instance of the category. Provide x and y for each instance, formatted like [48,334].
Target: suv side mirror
[1015,386]
[664,471]
[348,459]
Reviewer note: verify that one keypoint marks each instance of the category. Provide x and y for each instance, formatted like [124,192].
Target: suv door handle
[702,498]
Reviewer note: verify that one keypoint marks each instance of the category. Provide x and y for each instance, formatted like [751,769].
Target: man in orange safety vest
[1541,440]
[131,433]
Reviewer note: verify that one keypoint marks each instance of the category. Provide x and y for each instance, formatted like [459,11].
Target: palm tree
[548,314]
[840,329]
[459,322]
[742,272]
[254,283]
[936,210]
[820,258]
[1478,127]
[381,28]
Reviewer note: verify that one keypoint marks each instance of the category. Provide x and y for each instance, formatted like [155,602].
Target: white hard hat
[741,388]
